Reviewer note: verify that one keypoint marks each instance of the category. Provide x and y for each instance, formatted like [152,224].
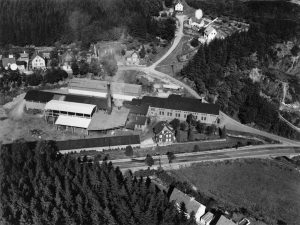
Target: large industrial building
[178,107]
[97,88]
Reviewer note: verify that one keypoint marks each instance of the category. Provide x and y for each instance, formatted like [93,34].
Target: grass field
[269,191]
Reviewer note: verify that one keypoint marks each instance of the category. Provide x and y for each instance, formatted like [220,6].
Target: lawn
[268,190]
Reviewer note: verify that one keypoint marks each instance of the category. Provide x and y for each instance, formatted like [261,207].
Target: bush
[149,161]
[194,42]
[128,151]
[196,148]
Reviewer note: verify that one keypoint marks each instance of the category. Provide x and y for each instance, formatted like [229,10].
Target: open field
[267,190]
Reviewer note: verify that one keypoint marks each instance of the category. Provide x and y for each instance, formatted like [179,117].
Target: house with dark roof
[136,122]
[190,203]
[175,106]
[163,133]
[99,144]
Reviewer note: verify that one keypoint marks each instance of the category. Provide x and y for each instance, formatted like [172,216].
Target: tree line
[41,186]
[26,22]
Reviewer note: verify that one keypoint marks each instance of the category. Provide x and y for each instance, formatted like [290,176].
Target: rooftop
[73,121]
[176,102]
[98,142]
[72,107]
[7,61]
[224,221]
[101,103]
[160,126]
[39,96]
[208,217]
[104,121]
[191,204]
[101,86]
[135,120]
[136,109]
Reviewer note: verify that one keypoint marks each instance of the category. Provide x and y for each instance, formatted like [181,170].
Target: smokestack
[108,96]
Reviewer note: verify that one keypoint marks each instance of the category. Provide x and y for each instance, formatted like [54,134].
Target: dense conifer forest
[222,68]
[44,22]
[41,186]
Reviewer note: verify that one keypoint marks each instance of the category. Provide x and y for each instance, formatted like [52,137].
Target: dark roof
[98,142]
[39,96]
[6,61]
[21,63]
[176,102]
[135,120]
[136,109]
[160,126]
[101,103]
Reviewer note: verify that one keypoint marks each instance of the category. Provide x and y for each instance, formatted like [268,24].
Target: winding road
[227,121]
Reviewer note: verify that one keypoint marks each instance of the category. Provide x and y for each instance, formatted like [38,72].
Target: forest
[222,68]
[26,22]
[41,186]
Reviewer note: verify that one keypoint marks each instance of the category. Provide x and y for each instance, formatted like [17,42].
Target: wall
[34,105]
[100,149]
[169,115]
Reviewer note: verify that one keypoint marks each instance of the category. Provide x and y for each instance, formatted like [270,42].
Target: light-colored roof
[191,204]
[73,107]
[207,217]
[101,86]
[209,29]
[73,121]
[104,121]
[224,221]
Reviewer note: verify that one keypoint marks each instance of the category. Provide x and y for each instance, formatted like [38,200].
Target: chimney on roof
[108,96]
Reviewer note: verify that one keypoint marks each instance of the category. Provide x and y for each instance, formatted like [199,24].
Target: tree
[75,68]
[194,42]
[183,126]
[53,62]
[95,67]
[149,160]
[83,67]
[211,129]
[54,54]
[175,123]
[200,127]
[142,52]
[196,148]
[223,132]
[128,151]
[191,120]
[295,50]
[110,65]
[171,156]
[168,3]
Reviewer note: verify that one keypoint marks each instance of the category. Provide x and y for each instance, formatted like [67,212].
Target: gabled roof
[37,54]
[72,107]
[160,126]
[7,61]
[135,120]
[191,204]
[136,109]
[176,102]
[224,221]
[98,142]
[209,29]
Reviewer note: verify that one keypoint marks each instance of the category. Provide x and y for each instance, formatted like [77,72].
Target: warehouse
[99,88]
[99,144]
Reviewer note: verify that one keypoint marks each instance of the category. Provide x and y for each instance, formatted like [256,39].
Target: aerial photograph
[149,112]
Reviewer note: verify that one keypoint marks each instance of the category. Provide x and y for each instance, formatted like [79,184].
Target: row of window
[55,112]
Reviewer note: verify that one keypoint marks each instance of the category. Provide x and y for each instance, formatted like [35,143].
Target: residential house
[24,57]
[179,7]
[67,58]
[207,218]
[164,134]
[38,62]
[7,62]
[21,66]
[132,58]
[190,203]
[136,122]
[210,33]
[175,106]
[224,221]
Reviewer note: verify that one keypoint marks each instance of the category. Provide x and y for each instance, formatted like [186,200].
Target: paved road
[229,122]
[187,159]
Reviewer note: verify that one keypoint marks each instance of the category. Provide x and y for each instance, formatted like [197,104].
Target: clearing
[267,190]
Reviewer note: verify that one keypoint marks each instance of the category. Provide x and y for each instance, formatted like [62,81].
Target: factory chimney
[109,97]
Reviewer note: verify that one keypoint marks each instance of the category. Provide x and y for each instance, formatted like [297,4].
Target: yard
[267,190]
